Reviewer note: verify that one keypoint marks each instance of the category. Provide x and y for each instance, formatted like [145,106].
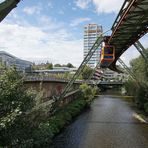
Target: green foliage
[69,65]
[49,66]
[139,88]
[15,101]
[88,92]
[43,66]
[146,107]
[57,65]
[42,136]
[86,72]
[21,128]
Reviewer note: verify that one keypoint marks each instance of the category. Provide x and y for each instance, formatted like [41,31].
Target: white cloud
[78,21]
[83,4]
[106,6]
[102,6]
[33,43]
[32,10]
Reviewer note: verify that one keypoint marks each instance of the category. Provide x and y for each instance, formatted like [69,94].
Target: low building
[110,75]
[9,60]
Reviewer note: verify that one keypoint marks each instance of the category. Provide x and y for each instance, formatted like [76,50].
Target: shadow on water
[73,134]
[114,91]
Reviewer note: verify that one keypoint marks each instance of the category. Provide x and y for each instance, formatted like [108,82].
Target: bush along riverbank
[64,116]
[21,125]
[137,86]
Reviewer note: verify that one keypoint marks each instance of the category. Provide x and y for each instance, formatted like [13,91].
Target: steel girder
[130,25]
[6,7]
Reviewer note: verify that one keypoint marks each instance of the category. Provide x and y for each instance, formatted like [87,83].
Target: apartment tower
[91,32]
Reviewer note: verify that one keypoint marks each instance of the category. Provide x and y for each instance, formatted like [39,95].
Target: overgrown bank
[138,87]
[18,128]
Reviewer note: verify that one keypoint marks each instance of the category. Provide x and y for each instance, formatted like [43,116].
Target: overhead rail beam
[130,25]
[6,7]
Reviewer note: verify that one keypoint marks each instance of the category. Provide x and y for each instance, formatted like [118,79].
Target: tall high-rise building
[91,32]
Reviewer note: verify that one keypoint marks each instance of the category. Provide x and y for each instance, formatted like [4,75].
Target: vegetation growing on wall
[88,92]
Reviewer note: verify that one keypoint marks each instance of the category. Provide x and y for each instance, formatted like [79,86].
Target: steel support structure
[6,7]
[127,69]
[82,66]
[130,25]
[141,50]
[94,70]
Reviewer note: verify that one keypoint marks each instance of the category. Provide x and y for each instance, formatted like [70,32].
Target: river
[109,123]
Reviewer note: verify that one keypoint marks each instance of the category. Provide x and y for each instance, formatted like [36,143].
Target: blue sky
[41,30]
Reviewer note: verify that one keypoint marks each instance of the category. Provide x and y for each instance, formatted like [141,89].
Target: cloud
[33,43]
[83,4]
[101,6]
[106,6]
[78,21]
[32,10]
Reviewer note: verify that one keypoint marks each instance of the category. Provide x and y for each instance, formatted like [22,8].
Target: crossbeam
[141,50]
[127,69]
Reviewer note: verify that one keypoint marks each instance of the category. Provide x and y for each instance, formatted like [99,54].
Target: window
[108,50]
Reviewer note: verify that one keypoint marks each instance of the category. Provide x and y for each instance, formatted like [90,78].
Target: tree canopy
[139,88]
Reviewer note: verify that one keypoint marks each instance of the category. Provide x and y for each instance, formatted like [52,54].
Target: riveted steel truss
[6,7]
[142,50]
[130,25]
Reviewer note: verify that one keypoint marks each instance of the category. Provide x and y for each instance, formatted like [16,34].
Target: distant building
[57,70]
[91,32]
[9,60]
[110,75]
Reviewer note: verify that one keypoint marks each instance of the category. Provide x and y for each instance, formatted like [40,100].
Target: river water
[109,123]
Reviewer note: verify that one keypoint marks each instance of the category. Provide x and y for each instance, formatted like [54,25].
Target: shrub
[88,92]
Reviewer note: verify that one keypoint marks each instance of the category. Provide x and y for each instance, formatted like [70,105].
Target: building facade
[110,75]
[91,32]
[9,60]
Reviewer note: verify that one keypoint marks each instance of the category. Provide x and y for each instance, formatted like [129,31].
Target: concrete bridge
[54,86]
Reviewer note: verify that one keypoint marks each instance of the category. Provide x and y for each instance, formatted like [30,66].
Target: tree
[70,65]
[86,72]
[57,65]
[15,101]
[139,89]
[88,92]
[49,66]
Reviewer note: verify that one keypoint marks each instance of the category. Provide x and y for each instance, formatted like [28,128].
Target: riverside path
[110,123]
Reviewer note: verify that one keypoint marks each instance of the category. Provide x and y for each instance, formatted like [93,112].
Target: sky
[52,30]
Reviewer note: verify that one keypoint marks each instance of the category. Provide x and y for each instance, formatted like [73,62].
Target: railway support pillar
[141,50]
